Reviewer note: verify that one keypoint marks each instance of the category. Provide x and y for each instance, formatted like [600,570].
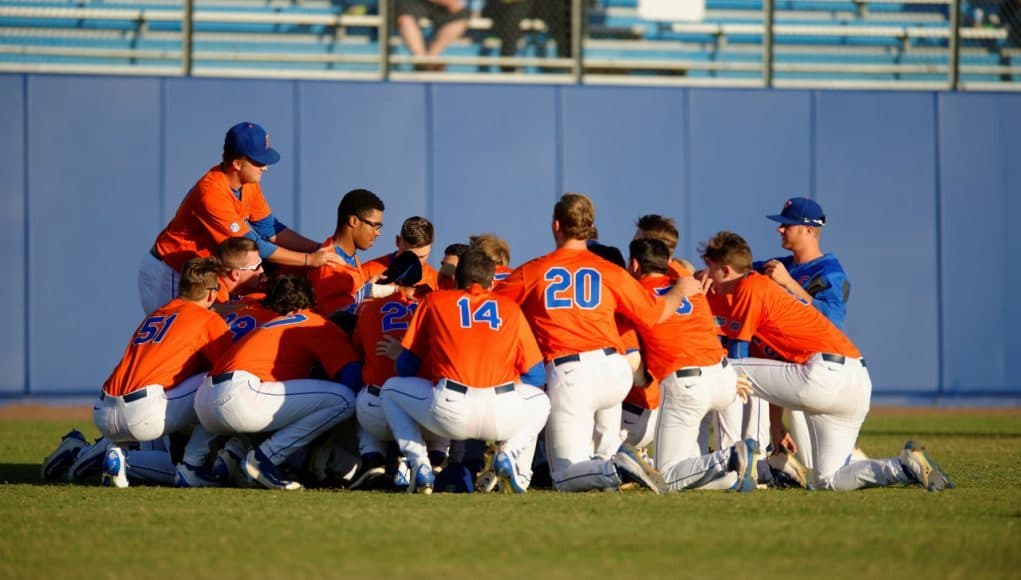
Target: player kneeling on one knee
[796,358]
[264,382]
[466,371]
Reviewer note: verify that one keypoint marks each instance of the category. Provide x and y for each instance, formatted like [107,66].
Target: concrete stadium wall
[921,190]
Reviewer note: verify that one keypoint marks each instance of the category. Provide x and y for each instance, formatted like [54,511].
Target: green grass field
[61,530]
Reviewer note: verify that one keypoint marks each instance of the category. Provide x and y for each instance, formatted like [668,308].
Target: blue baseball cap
[800,211]
[252,141]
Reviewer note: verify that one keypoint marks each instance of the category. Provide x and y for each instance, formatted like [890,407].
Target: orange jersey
[178,340]
[570,297]
[783,326]
[209,214]
[376,319]
[249,314]
[675,270]
[646,397]
[338,287]
[430,277]
[288,348]
[502,273]
[688,338]
[473,336]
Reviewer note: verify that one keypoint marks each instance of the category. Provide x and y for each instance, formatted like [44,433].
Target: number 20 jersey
[178,340]
[570,296]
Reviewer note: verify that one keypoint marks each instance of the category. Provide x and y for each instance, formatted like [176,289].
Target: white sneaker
[507,471]
[630,465]
[115,468]
[260,469]
[922,469]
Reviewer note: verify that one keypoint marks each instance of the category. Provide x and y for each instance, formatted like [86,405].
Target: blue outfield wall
[918,187]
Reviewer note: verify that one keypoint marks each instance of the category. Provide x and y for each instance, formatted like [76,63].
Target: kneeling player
[813,368]
[263,383]
[475,352]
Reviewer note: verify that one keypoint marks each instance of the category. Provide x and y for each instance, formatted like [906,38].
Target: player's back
[569,298]
[178,340]
[248,314]
[471,336]
[289,347]
[376,319]
[687,338]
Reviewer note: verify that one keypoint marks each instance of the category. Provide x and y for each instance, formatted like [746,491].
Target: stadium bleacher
[881,43]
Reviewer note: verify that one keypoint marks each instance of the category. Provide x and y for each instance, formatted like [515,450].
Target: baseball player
[343,284]
[242,272]
[468,371]
[387,317]
[570,297]
[448,265]
[684,354]
[263,382]
[815,368]
[497,250]
[416,237]
[226,202]
[151,391]
[811,275]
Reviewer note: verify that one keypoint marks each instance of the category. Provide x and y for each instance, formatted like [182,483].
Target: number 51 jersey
[178,340]
[569,298]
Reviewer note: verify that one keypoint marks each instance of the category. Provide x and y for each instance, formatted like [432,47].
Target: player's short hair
[652,255]
[608,253]
[455,250]
[660,228]
[198,276]
[493,246]
[474,267]
[730,249]
[576,215]
[417,232]
[287,293]
[232,251]
[357,202]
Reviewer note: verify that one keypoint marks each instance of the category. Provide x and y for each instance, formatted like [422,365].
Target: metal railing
[785,43]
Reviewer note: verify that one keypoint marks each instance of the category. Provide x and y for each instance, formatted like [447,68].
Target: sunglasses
[252,268]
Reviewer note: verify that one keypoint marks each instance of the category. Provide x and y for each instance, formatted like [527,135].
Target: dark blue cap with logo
[800,211]
[252,141]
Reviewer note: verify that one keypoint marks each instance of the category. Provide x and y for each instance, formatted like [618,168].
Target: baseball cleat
[786,470]
[89,461]
[423,480]
[370,469]
[486,482]
[261,470]
[631,467]
[115,468]
[922,469]
[507,472]
[192,476]
[57,463]
[745,453]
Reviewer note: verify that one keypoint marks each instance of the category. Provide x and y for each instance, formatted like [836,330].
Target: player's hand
[744,387]
[689,286]
[451,5]
[778,273]
[390,347]
[781,438]
[704,281]
[322,257]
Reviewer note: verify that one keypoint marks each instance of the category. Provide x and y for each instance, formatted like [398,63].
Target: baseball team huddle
[584,369]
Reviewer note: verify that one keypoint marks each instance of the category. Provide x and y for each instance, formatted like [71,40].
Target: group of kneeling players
[391,375]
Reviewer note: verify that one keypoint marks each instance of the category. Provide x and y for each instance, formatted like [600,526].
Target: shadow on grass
[23,473]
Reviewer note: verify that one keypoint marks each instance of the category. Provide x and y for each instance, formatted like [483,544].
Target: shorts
[439,15]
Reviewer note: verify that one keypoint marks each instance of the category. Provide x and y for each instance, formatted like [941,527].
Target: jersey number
[396,315]
[486,313]
[567,289]
[154,329]
[240,325]
[685,307]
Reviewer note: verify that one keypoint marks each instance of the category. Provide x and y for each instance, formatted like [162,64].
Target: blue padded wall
[631,163]
[915,185]
[494,164]
[12,234]
[368,136]
[92,174]
[876,177]
[980,178]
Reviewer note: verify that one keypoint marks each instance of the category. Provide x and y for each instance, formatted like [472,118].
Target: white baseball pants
[151,412]
[295,411]
[586,391]
[373,430]
[639,423]
[834,392]
[157,282]
[687,399]
[513,413]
